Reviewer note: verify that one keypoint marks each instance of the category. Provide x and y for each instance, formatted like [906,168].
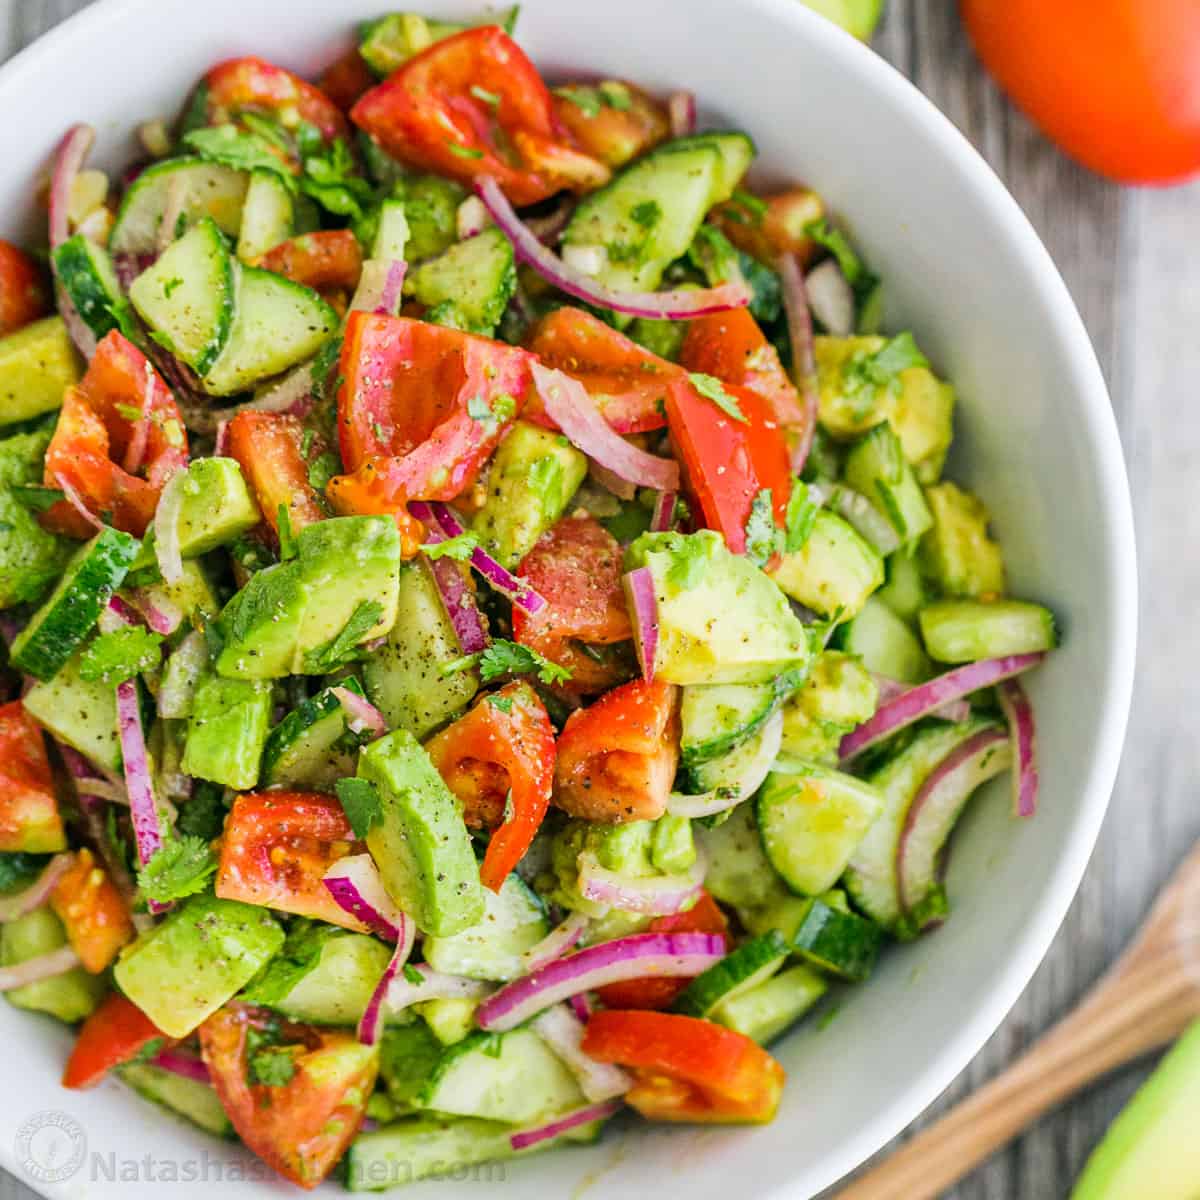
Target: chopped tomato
[617,758]
[329,258]
[656,992]
[687,1069]
[728,462]
[499,761]
[277,848]
[22,294]
[300,1127]
[93,912]
[251,84]
[615,133]
[268,447]
[627,384]
[576,566]
[117,1032]
[474,105]
[346,79]
[119,438]
[29,816]
[731,347]
[769,226]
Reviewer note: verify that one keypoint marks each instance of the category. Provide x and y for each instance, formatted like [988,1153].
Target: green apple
[858,17]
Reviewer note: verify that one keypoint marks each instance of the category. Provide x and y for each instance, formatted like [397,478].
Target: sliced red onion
[370,1027]
[652,895]
[120,613]
[166,528]
[562,1031]
[221,444]
[674,306]
[380,286]
[292,394]
[361,715]
[681,112]
[643,602]
[571,408]
[830,298]
[927,698]
[804,364]
[185,668]
[45,966]
[470,218]
[161,615]
[557,942]
[129,266]
[663,520]
[525,1138]
[549,228]
[38,892]
[621,488]
[670,955]
[889,689]
[136,453]
[756,758]
[582,1006]
[114,862]
[86,777]
[143,809]
[433,986]
[178,1062]
[69,159]
[459,603]
[1019,714]
[75,500]
[173,203]
[356,885]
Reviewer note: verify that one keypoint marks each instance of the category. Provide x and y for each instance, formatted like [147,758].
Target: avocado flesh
[859,17]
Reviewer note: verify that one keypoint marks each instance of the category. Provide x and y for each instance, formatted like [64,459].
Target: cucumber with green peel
[960,631]
[268,216]
[309,748]
[765,1011]
[905,591]
[86,273]
[469,285]
[886,644]
[188,1098]
[716,718]
[740,772]
[834,572]
[739,872]
[837,941]
[742,969]
[876,467]
[737,152]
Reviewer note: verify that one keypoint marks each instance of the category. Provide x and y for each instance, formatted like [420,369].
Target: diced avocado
[625,848]
[904,592]
[957,552]
[450,1019]
[763,1012]
[1151,1151]
[673,848]
[260,624]
[838,695]
[189,1098]
[469,285]
[720,619]
[835,570]
[227,730]
[405,678]
[420,840]
[532,479]
[203,954]
[80,712]
[407,1057]
[37,364]
[876,466]
[30,557]
[959,631]
[885,644]
[70,996]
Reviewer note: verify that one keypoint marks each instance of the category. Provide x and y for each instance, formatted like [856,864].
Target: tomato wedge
[119,438]
[473,105]
[252,84]
[499,761]
[705,916]
[614,121]
[329,258]
[346,79]
[576,566]
[769,226]
[617,758]
[268,447]
[277,848]
[29,816]
[628,384]
[117,1032]
[22,293]
[93,912]
[687,1069]
[302,1125]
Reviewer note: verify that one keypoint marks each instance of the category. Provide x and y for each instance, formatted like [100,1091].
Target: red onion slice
[37,893]
[459,603]
[525,1138]
[292,394]
[956,711]
[380,286]
[69,158]
[187,1066]
[830,298]
[361,715]
[370,1027]
[562,1031]
[357,887]
[166,528]
[681,112]
[1019,713]
[160,614]
[404,993]
[653,895]
[670,955]
[673,306]
[557,942]
[221,444]
[804,364]
[143,809]
[643,603]
[45,966]
[927,698]
[582,1006]
[663,519]
[75,500]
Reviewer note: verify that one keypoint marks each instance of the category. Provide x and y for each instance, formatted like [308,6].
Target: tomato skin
[704,916]
[576,566]
[329,258]
[616,758]
[94,913]
[489,753]
[115,1033]
[347,79]
[627,384]
[267,446]
[300,1128]
[22,292]
[687,1069]
[1114,82]
[276,849]
[614,135]
[252,83]
[778,228]
[428,105]
[29,816]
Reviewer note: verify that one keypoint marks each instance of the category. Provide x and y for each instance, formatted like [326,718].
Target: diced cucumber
[70,996]
[276,324]
[862,516]
[742,770]
[469,286]
[834,571]
[957,552]
[309,748]
[66,618]
[189,1098]
[765,1011]
[338,988]
[812,819]
[739,872]
[839,942]
[267,216]
[514,920]
[716,718]
[959,631]
[37,364]
[191,187]
[227,730]
[193,595]
[80,712]
[905,592]
[752,963]
[450,1019]
[876,466]
[886,645]
[392,232]
[737,153]
[390,41]
[186,297]
[86,272]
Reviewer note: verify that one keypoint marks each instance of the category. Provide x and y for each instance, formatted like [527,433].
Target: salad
[489,640]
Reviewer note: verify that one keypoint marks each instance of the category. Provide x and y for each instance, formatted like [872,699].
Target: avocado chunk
[835,570]
[838,695]
[201,956]
[80,712]
[37,364]
[420,840]
[720,619]
[30,557]
[228,730]
[957,553]
[533,478]
[69,997]
[193,595]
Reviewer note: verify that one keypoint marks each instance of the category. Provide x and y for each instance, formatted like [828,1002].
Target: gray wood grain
[1127,259]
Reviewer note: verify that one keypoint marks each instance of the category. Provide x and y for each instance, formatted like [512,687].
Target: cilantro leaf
[762,534]
[459,547]
[689,556]
[461,151]
[331,178]
[503,703]
[19,869]
[300,954]
[120,655]
[753,204]
[836,242]
[322,469]
[501,409]
[615,94]
[503,657]
[360,799]
[273,1067]
[586,99]
[491,99]
[413,975]
[647,214]
[240,149]
[334,652]
[204,814]
[545,479]
[181,868]
[864,374]
[801,515]
[713,389]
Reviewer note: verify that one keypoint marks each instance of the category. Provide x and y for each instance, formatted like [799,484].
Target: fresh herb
[360,799]
[801,516]
[306,442]
[545,479]
[615,94]
[503,657]
[331,177]
[239,148]
[647,214]
[753,204]
[461,151]
[36,498]
[120,655]
[379,432]
[180,869]
[713,253]
[460,548]
[19,869]
[287,539]
[203,815]
[273,1067]
[586,99]
[322,469]
[300,954]
[762,534]
[836,242]
[334,653]
[491,99]
[827,1017]
[169,285]
[689,556]
[501,409]
[863,374]
[492,1045]
[413,975]
[713,389]
[265,127]
[503,703]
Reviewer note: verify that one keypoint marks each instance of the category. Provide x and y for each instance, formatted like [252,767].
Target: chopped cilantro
[169,285]
[36,498]
[460,548]
[204,814]
[753,204]
[801,514]
[615,94]
[360,799]
[865,373]
[501,409]
[378,430]
[492,1045]
[647,214]
[852,267]
[491,99]
[689,556]
[584,98]
[545,480]
[272,1067]
[240,149]
[331,177]
[461,151]
[413,975]
[503,657]
[713,389]
[181,868]
[503,703]
[265,127]
[335,652]
[762,534]
[322,469]
[120,655]
[306,441]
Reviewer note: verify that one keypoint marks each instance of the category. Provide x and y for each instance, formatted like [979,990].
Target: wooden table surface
[1131,261]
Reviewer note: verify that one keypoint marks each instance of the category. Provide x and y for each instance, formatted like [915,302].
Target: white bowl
[963,269]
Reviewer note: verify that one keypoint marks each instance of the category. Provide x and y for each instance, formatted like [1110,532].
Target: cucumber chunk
[469,286]
[717,718]
[267,216]
[739,872]
[959,631]
[189,1098]
[876,466]
[752,963]
[87,274]
[338,988]
[905,592]
[834,571]
[837,941]
[957,553]
[309,748]
[69,997]
[765,1011]
[737,153]
[886,644]
[742,770]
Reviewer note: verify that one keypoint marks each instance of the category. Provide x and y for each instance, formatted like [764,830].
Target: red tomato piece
[687,1069]
[277,848]
[628,384]
[777,224]
[94,913]
[616,758]
[117,1032]
[502,748]
[29,816]
[329,258]
[576,566]
[302,1127]
[22,292]
[613,135]
[242,84]
[346,79]
[474,105]
[267,446]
